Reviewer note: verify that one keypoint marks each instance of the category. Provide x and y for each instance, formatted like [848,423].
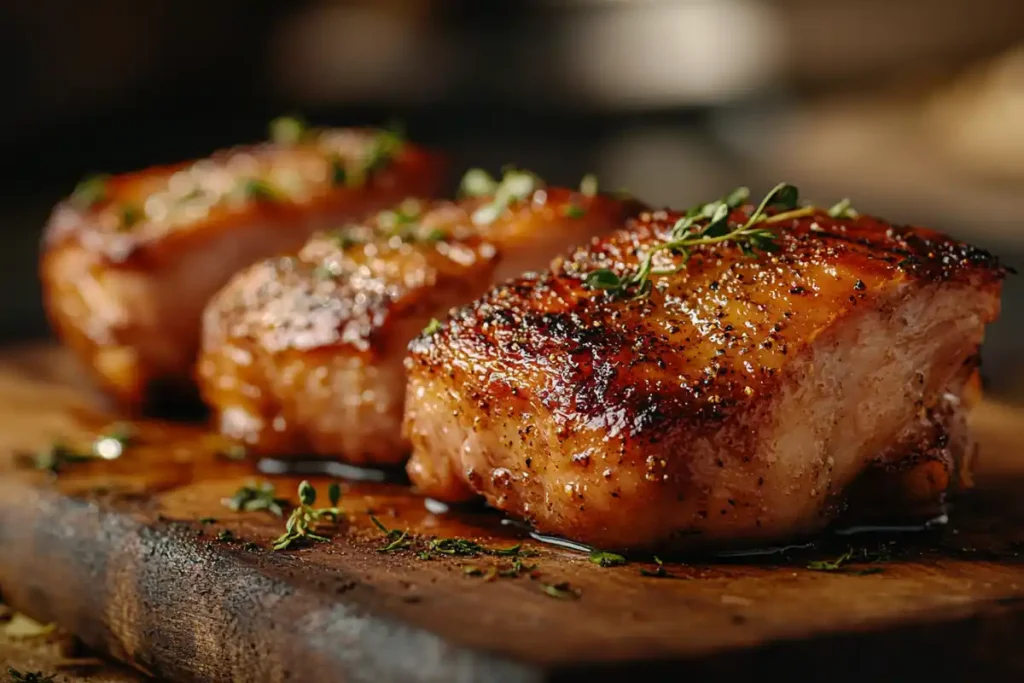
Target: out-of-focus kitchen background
[914,108]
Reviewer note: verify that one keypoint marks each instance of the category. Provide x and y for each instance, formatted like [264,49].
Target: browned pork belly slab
[303,355]
[743,398]
[130,261]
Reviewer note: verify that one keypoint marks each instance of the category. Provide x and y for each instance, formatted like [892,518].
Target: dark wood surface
[114,552]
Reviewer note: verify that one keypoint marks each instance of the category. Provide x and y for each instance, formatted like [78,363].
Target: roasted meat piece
[728,375]
[130,261]
[303,355]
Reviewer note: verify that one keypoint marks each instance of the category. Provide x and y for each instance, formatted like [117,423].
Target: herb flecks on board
[427,549]
[306,521]
[708,224]
[256,497]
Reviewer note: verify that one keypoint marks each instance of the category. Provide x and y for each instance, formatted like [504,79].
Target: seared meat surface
[130,261]
[303,355]
[744,395]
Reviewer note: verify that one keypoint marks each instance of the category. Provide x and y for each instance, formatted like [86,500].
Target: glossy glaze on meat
[129,262]
[740,401]
[303,356]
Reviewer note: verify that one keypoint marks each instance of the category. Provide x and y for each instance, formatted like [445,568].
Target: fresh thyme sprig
[752,236]
[255,497]
[306,520]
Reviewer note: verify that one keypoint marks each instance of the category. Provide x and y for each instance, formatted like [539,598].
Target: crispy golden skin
[303,356]
[738,402]
[126,273]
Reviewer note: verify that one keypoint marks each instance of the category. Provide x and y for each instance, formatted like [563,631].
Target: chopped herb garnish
[327,271]
[515,186]
[57,456]
[90,191]
[477,183]
[207,520]
[516,569]
[339,176]
[256,498]
[130,215]
[842,209]
[588,185]
[396,540]
[305,520]
[225,536]
[16,676]
[751,237]
[573,211]
[658,572]
[383,148]
[287,130]
[562,590]
[259,190]
[433,326]
[344,239]
[435,235]
[604,559]
[831,565]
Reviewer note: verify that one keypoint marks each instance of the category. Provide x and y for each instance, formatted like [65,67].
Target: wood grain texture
[114,552]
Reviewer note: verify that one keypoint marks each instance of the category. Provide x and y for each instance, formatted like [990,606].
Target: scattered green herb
[433,326]
[574,212]
[259,190]
[16,676]
[287,130]
[477,183]
[588,185]
[130,215]
[255,497]
[604,559]
[842,209]
[657,572]
[383,148]
[305,520]
[516,569]
[751,237]
[225,536]
[57,456]
[515,186]
[562,590]
[339,176]
[396,540]
[90,191]
[831,565]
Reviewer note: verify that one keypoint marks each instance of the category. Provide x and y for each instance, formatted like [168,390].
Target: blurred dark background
[914,108]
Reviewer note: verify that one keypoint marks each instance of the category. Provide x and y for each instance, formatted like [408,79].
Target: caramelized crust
[127,272]
[737,401]
[304,355]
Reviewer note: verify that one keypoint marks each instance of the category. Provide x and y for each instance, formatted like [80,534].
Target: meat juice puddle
[331,468]
[356,473]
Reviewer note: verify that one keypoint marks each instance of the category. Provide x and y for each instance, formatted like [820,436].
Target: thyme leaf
[561,590]
[305,520]
[256,497]
[702,225]
[90,191]
[605,559]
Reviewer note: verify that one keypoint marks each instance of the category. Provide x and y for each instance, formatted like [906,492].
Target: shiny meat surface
[303,356]
[130,261]
[740,400]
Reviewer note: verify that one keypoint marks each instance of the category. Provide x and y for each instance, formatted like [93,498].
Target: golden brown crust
[127,270]
[322,335]
[706,340]
[737,400]
[173,209]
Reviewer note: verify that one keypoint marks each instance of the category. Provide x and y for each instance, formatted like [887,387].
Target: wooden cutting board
[116,552]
